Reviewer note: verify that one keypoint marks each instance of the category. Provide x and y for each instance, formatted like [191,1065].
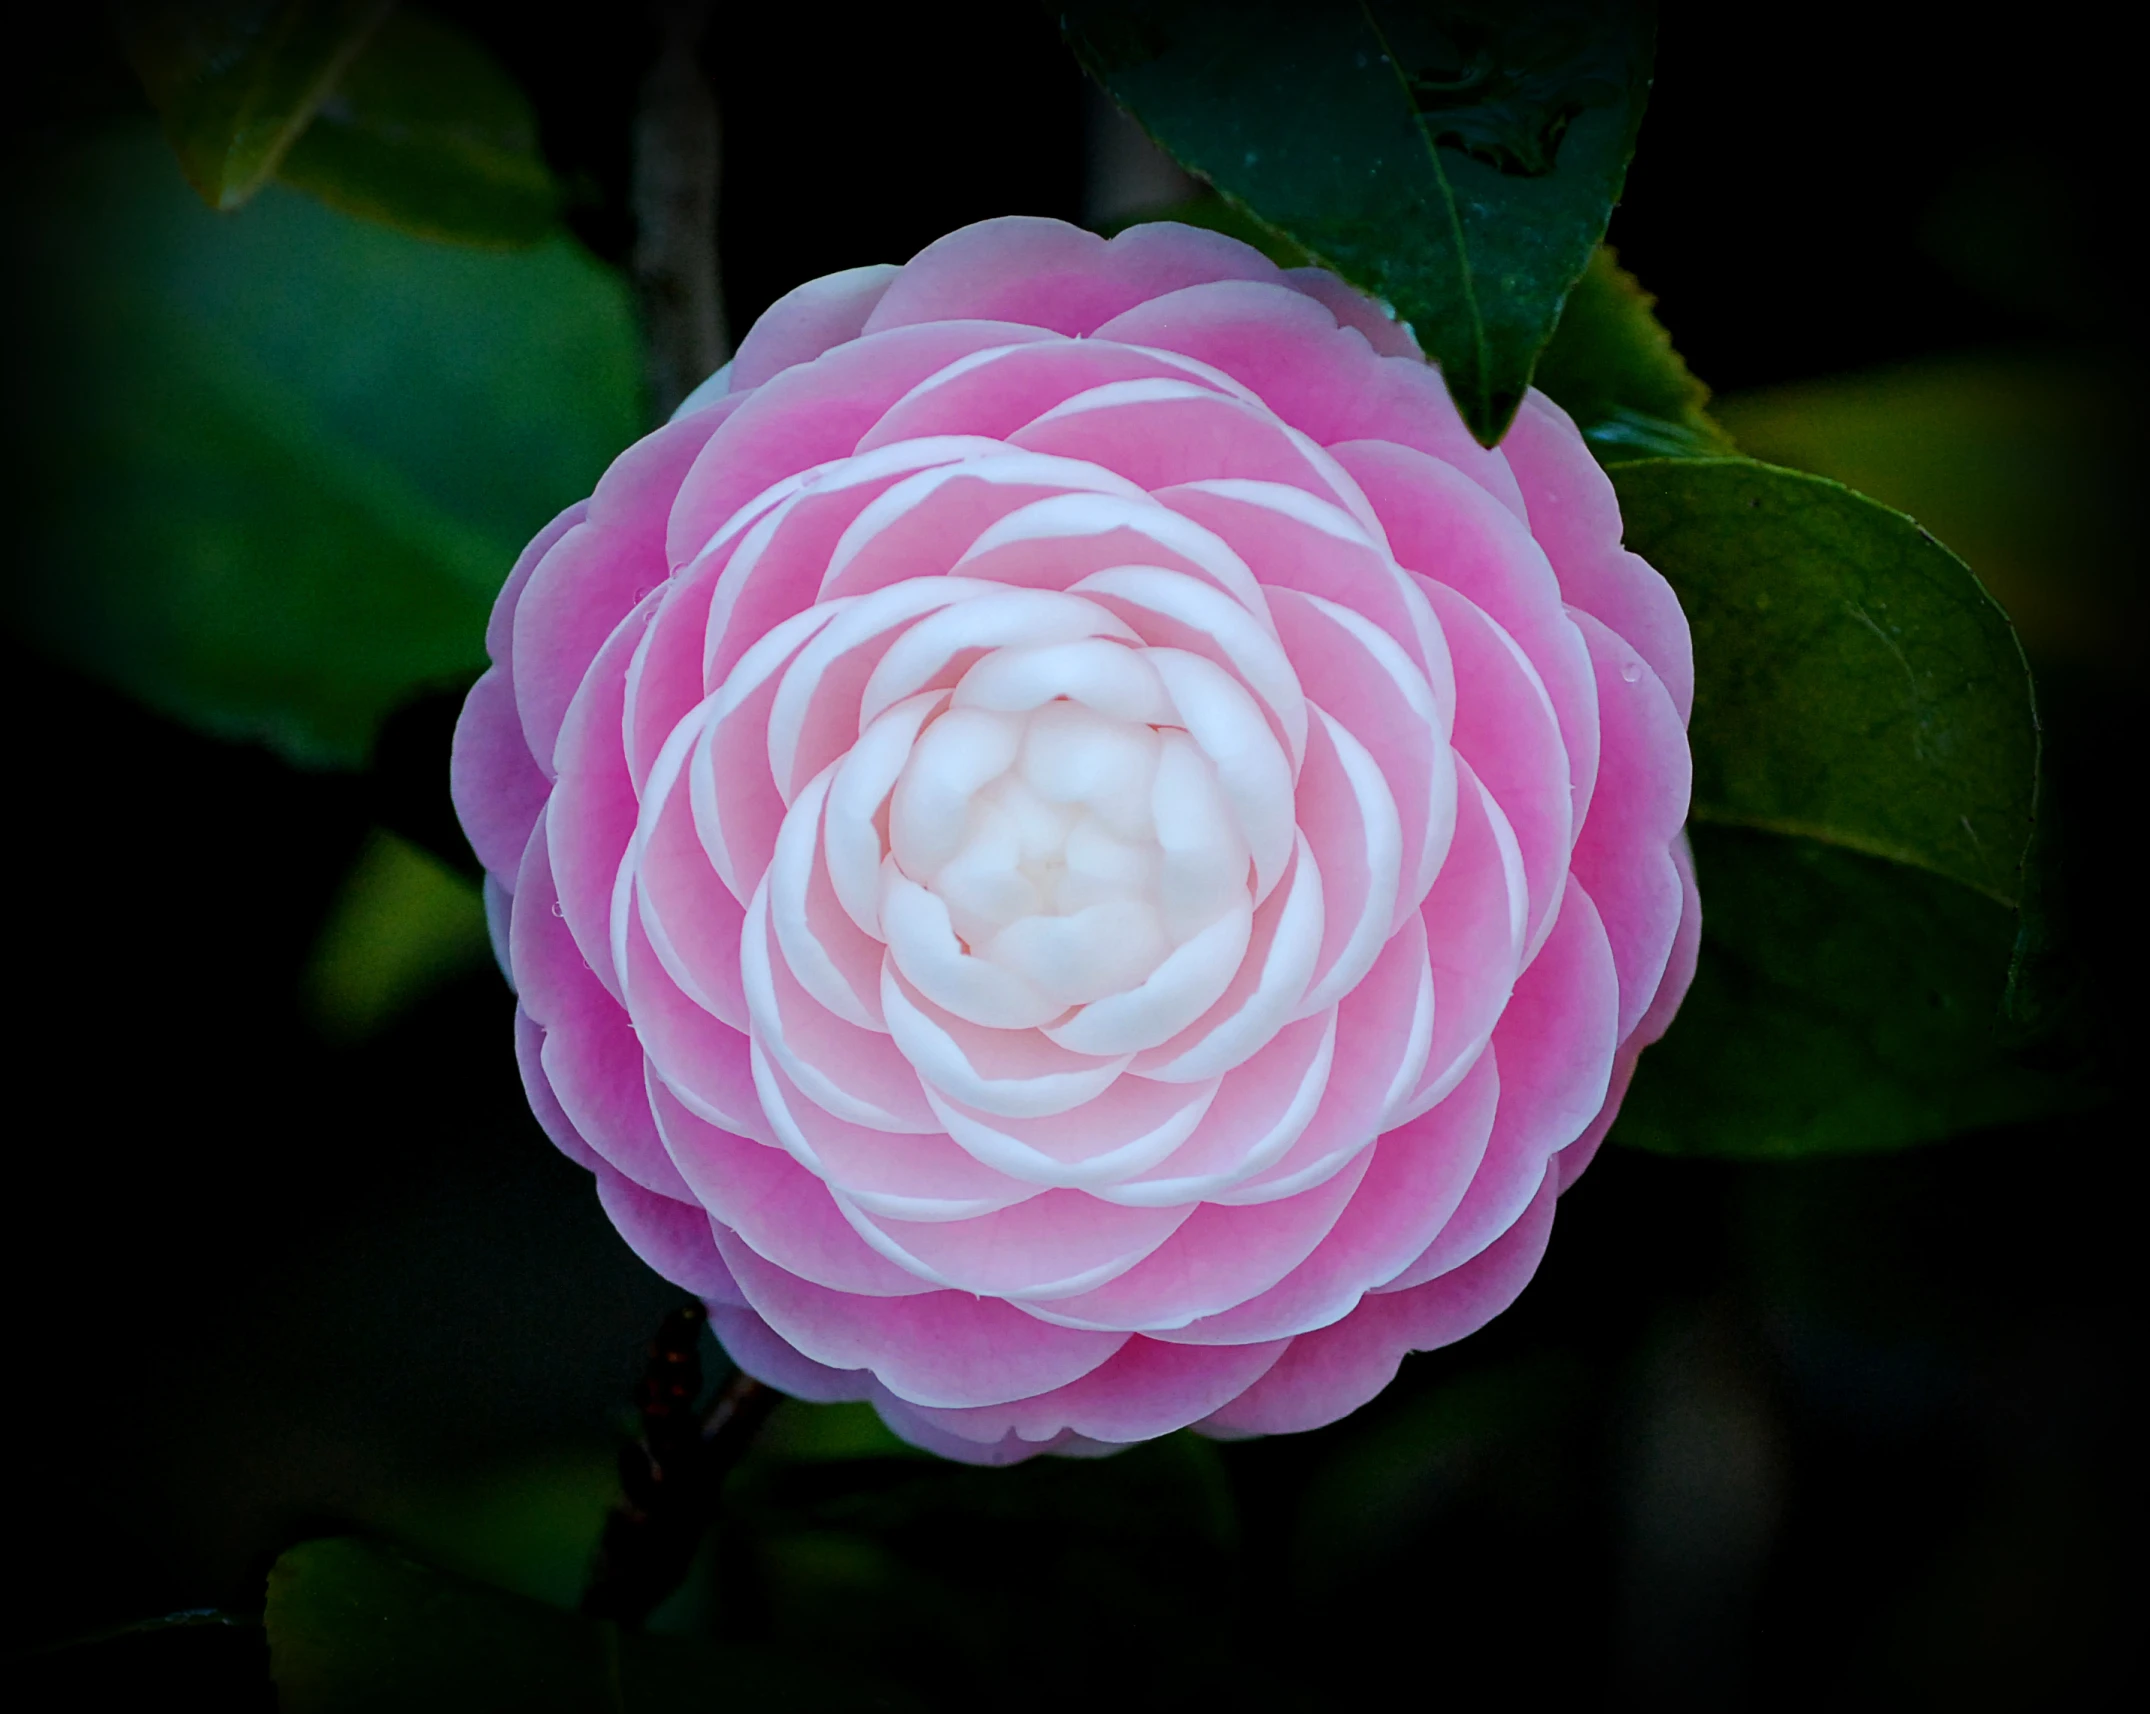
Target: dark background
[1759,1434]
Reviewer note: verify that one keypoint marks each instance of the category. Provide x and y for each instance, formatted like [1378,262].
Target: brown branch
[672,1475]
[676,161]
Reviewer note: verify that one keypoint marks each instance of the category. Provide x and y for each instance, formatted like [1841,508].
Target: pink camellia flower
[1078,859]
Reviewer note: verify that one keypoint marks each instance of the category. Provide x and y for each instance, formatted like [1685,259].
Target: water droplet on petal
[1631,671]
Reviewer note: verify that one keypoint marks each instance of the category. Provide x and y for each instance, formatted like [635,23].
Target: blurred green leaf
[353,1626]
[235,81]
[403,923]
[1854,684]
[274,469]
[1843,1003]
[1611,367]
[1457,158]
[2014,458]
[427,132]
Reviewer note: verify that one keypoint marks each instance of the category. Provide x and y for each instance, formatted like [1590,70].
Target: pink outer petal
[775,1206]
[1474,920]
[1194,437]
[674,1238]
[1221,1256]
[590,1057]
[1050,274]
[544,1104]
[943,1349]
[497,788]
[1032,1246]
[808,320]
[1576,519]
[693,912]
[500,624]
[702,1061]
[596,571]
[997,396]
[1554,1048]
[810,414]
[1508,732]
[749,1341]
[1322,379]
[1623,854]
[1445,527]
[1353,308]
[590,817]
[1679,972]
[1419,1175]
[1329,1374]
[1144,1390]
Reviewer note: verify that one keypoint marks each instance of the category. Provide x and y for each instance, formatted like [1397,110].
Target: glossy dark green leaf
[354,1626]
[235,81]
[276,467]
[1611,367]
[426,131]
[1457,158]
[1843,1003]
[1854,684]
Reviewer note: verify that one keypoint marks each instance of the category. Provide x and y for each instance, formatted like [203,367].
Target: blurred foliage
[2011,457]
[285,459]
[1611,367]
[402,924]
[426,132]
[1454,158]
[236,81]
[360,1627]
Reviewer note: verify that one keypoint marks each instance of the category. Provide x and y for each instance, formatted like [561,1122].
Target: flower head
[1076,857]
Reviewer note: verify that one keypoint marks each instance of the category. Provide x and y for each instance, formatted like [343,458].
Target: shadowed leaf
[236,81]
[1457,158]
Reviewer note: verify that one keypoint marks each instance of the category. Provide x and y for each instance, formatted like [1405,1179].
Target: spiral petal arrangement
[1076,857]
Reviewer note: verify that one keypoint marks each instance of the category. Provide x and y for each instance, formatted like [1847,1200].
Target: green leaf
[235,81]
[353,1626]
[403,923]
[1457,158]
[1611,367]
[274,469]
[427,132]
[1854,684]
[1843,1004]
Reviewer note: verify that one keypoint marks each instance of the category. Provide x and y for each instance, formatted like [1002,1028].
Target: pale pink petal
[1330,1373]
[590,817]
[1353,308]
[1554,1050]
[1576,518]
[749,1342]
[1145,1389]
[1444,526]
[1049,274]
[1052,1246]
[997,392]
[1507,731]
[810,414]
[590,1055]
[672,1237]
[498,790]
[1416,1180]
[596,571]
[946,1349]
[808,320]
[1162,433]
[1324,380]
[777,1207]
[544,1104]
[500,623]
[1623,854]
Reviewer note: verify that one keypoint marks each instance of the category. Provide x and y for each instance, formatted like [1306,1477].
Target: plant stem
[676,162]
[672,1475]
